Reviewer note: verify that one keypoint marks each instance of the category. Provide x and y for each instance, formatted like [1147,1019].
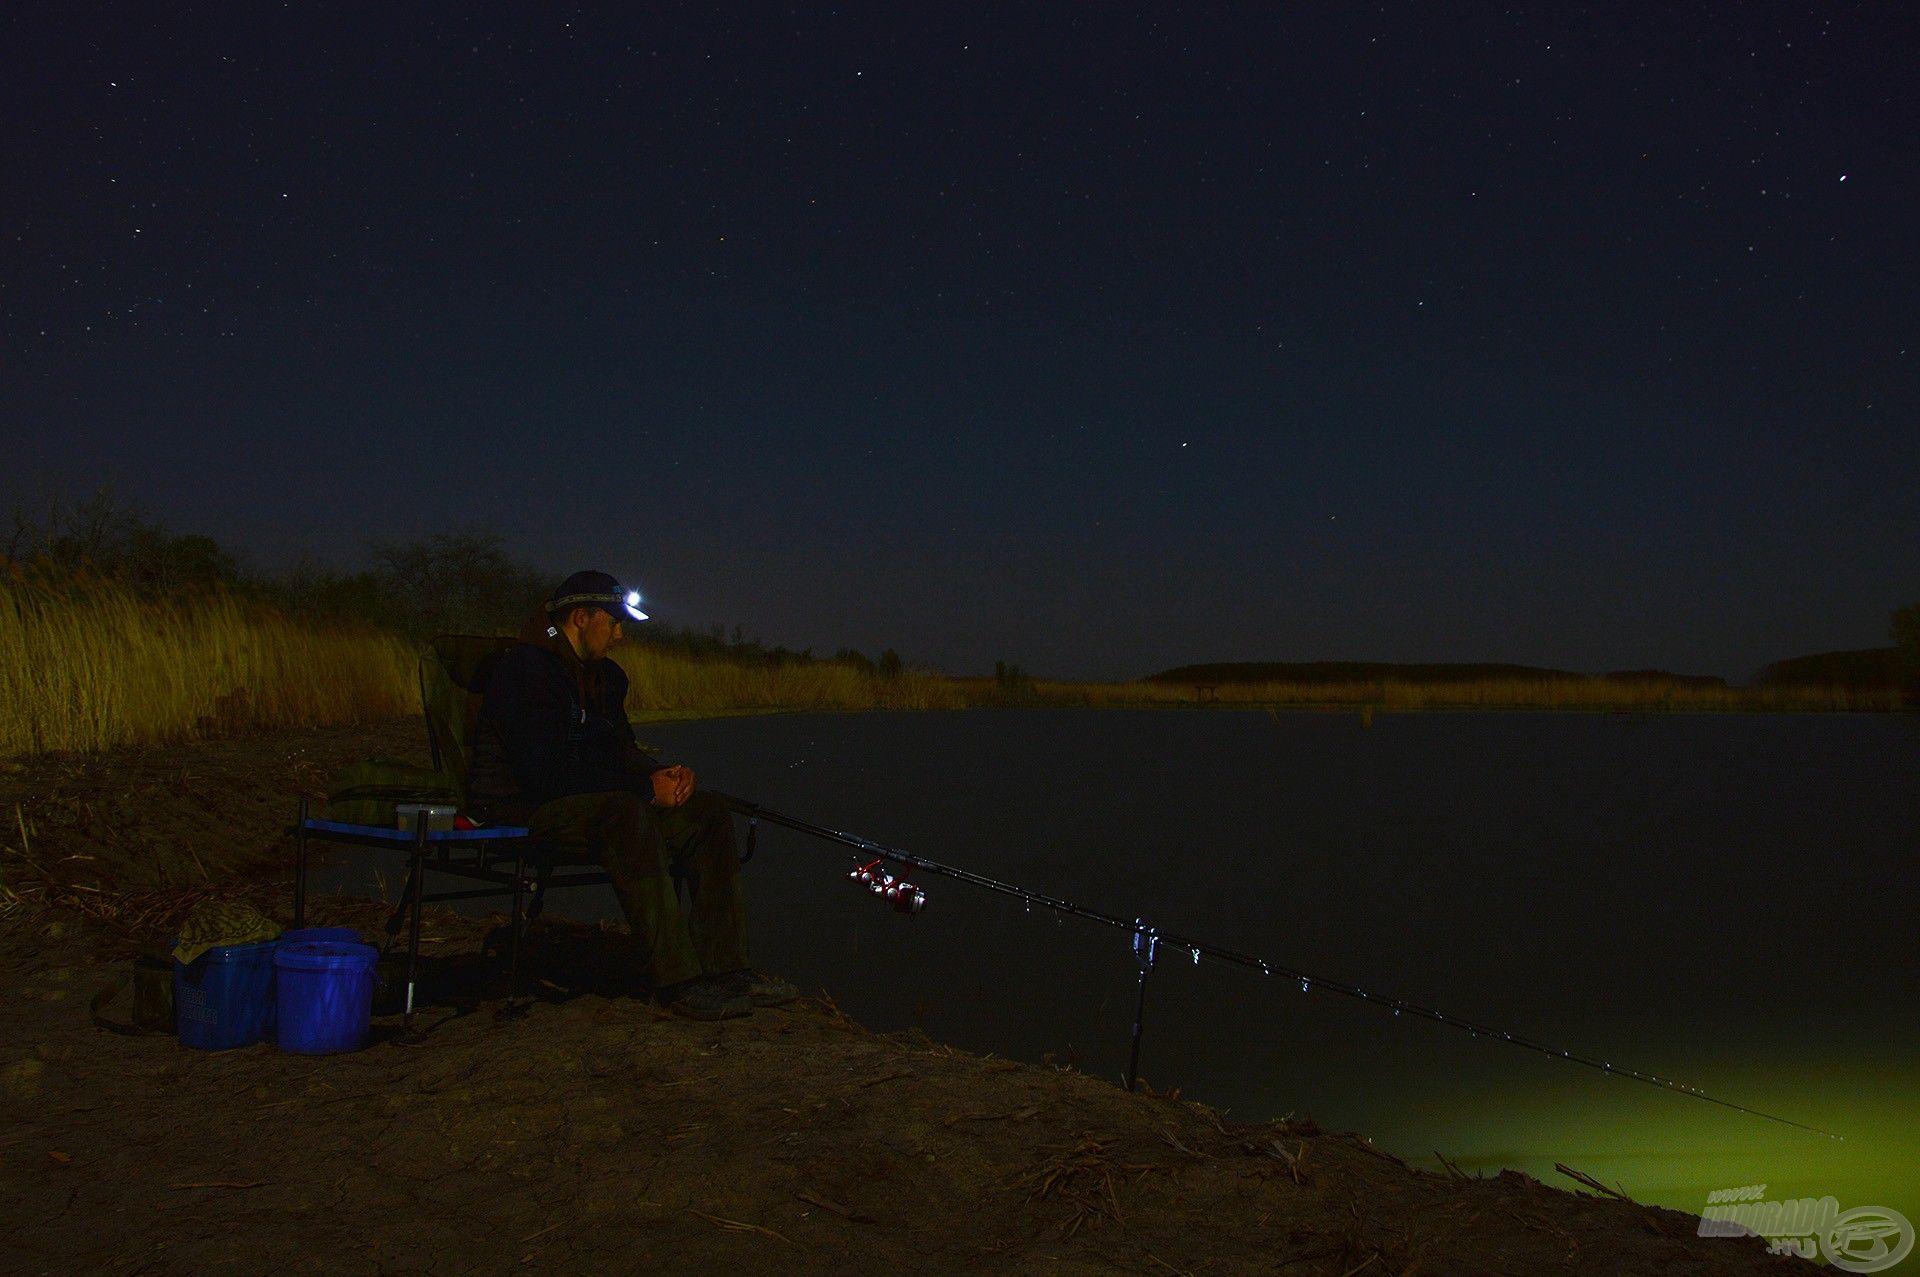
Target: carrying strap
[106,995]
[112,990]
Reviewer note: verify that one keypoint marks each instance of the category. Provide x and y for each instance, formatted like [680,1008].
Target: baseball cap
[597,589]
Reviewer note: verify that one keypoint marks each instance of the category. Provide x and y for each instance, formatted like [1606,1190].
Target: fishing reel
[903,896]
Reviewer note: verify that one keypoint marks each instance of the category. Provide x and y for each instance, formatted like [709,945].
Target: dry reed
[93,665]
[665,682]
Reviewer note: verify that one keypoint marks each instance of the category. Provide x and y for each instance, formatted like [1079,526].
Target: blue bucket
[224,998]
[326,996]
[306,935]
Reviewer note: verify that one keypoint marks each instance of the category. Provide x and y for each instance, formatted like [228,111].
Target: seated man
[553,751]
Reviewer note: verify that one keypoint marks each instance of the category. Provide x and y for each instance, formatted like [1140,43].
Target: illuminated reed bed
[91,665]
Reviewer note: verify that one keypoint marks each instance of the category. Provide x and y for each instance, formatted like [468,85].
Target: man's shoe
[759,988]
[703,998]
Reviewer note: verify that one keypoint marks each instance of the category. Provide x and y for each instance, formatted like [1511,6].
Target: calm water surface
[1728,901]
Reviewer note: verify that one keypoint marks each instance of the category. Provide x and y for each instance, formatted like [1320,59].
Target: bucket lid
[326,955]
[307,935]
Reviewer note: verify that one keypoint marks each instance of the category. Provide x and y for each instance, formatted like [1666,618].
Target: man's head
[589,608]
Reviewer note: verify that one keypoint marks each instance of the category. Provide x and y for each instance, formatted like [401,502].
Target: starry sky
[1097,338]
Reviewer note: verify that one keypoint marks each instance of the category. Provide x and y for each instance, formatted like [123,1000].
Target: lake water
[1727,901]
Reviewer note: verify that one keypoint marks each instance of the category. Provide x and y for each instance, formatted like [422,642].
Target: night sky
[1095,338]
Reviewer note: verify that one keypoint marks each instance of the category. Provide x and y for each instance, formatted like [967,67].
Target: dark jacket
[551,725]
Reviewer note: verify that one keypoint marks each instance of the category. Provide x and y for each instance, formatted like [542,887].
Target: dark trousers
[641,845]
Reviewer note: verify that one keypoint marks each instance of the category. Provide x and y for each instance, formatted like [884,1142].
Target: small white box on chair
[438,816]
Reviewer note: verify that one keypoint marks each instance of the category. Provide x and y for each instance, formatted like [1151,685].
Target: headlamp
[613,602]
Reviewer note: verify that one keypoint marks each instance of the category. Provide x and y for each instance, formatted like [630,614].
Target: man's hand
[672,786]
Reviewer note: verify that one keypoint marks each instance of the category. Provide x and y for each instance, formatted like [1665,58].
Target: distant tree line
[1905,633]
[1383,671]
[1866,669]
[447,583]
[1870,667]
[100,537]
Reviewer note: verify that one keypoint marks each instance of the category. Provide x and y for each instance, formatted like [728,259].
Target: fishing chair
[453,680]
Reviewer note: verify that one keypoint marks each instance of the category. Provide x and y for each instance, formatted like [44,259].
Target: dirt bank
[594,1134]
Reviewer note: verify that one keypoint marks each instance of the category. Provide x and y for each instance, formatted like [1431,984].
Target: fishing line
[1149,941]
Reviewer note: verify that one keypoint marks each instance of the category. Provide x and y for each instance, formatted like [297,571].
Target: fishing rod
[1148,941]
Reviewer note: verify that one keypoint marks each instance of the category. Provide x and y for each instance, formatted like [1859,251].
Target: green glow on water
[1671,1150]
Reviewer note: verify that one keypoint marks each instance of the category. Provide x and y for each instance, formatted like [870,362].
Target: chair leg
[406,899]
[539,901]
[300,869]
[513,940]
[415,885]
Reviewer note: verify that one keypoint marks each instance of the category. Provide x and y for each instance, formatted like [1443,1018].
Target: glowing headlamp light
[614,603]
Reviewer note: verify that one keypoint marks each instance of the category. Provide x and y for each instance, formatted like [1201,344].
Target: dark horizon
[136,549]
[1100,343]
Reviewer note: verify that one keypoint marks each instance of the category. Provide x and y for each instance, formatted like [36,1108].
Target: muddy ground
[594,1133]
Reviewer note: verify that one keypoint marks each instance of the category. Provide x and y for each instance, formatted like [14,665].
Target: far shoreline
[1274,709]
